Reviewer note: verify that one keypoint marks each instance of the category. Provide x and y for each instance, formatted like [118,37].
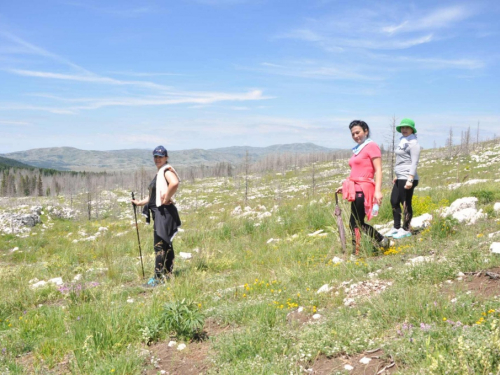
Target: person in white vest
[407,156]
[165,215]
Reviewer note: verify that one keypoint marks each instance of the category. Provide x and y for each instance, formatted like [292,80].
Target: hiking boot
[392,232]
[401,234]
[385,244]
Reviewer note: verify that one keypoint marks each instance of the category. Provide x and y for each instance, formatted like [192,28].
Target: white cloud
[156,95]
[437,19]
[15,123]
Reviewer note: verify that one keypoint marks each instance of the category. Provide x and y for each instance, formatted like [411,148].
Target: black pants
[401,196]
[357,222]
[164,256]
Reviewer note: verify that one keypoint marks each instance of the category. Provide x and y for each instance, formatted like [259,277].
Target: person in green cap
[407,155]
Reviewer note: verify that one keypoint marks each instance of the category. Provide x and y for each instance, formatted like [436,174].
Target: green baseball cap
[407,122]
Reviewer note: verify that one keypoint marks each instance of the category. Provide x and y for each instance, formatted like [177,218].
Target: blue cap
[160,151]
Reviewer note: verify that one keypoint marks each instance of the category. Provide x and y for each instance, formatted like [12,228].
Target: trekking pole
[138,239]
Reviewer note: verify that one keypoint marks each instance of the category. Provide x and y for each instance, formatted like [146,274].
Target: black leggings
[401,196]
[164,256]
[357,221]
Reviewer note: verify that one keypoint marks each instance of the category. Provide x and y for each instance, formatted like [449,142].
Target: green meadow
[247,300]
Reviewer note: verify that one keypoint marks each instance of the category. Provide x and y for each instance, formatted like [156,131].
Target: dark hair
[361,123]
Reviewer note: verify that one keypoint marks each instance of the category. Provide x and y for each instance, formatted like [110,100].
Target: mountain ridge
[74,159]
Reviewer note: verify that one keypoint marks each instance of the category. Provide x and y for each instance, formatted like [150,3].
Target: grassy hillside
[69,158]
[425,306]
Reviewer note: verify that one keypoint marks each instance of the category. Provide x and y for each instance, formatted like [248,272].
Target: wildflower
[491,311]
[425,327]
[444,319]
[112,370]
[480,235]
[244,295]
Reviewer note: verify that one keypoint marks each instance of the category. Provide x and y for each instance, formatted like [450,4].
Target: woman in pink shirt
[363,187]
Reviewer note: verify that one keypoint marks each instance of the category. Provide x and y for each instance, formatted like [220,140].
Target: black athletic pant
[164,256]
[357,220]
[401,196]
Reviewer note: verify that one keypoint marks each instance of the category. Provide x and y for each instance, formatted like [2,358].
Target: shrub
[443,227]
[484,196]
[184,318]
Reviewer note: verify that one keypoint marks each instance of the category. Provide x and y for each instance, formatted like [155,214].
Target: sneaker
[153,282]
[392,232]
[401,234]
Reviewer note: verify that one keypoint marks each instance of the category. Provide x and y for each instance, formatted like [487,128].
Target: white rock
[421,221]
[181,346]
[491,235]
[365,360]
[316,316]
[460,204]
[337,260]
[300,309]
[180,230]
[172,344]
[56,281]
[468,215]
[495,247]
[496,207]
[130,300]
[77,277]
[420,259]
[349,301]
[348,368]
[185,255]
[272,240]
[15,249]
[324,289]
[38,284]
[315,233]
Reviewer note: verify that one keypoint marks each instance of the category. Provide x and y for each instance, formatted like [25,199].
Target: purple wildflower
[4,350]
[425,327]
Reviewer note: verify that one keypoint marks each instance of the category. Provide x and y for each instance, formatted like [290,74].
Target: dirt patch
[297,317]
[482,283]
[27,361]
[193,360]
[379,363]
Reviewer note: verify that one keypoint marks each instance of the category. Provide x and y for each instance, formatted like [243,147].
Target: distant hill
[6,163]
[73,159]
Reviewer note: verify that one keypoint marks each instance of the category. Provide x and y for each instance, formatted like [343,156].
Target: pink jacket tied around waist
[368,188]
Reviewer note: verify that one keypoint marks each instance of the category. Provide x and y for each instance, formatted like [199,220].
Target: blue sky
[107,75]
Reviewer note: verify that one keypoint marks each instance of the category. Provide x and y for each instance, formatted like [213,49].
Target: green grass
[103,322]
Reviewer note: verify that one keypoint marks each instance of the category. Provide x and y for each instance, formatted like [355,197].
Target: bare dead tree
[449,143]
[247,166]
[391,143]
